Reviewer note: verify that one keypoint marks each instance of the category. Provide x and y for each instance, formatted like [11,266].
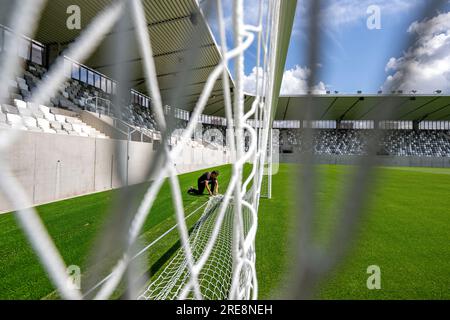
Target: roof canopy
[365,107]
[183,45]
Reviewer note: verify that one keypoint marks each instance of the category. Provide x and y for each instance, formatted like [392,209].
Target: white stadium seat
[20,104]
[10,109]
[25,112]
[50,117]
[15,121]
[55,125]
[60,118]
[86,129]
[72,120]
[30,122]
[44,109]
[77,128]
[13,118]
[43,123]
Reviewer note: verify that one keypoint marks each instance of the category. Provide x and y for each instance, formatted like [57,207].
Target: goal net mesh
[215,278]
[216,259]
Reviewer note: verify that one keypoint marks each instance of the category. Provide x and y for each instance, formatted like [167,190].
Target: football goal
[216,257]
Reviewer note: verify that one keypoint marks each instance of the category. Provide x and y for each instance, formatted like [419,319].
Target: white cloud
[295,81]
[251,79]
[426,64]
[343,12]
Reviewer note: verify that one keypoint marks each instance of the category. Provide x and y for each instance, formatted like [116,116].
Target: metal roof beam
[209,45]
[141,80]
[329,107]
[420,107]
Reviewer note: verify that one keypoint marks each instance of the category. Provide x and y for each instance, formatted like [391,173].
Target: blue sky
[356,58]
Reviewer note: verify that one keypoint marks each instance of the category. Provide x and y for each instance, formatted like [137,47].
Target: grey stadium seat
[9,109]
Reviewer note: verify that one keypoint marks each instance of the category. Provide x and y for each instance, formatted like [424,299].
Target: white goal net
[216,259]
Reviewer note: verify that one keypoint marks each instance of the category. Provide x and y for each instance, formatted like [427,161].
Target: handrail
[130,129]
[117,123]
[97,106]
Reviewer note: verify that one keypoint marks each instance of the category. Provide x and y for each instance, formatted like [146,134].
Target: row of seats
[74,95]
[428,143]
[21,87]
[175,140]
[84,96]
[27,116]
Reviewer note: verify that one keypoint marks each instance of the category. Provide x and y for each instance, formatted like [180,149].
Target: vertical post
[269,162]
[128,155]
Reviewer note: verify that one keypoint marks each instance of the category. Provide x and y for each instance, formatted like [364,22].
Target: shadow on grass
[160,263]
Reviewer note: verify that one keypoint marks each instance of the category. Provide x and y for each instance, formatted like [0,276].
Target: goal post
[287,10]
[266,179]
[223,240]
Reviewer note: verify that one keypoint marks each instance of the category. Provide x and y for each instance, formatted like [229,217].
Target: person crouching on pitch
[207,181]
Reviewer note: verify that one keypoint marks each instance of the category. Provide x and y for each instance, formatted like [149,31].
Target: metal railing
[100,105]
[105,107]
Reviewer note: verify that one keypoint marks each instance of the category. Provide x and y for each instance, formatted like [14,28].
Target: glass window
[8,40]
[24,49]
[97,81]
[83,74]
[90,78]
[37,54]
[67,68]
[75,71]
[104,84]
[2,31]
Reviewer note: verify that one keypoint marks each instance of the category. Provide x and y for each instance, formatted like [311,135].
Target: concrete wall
[53,167]
[382,160]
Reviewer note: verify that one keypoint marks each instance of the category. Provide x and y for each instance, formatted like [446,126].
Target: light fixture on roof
[336,92]
[359,91]
[438,91]
[193,18]
[400,91]
[328,92]
[414,91]
[380,92]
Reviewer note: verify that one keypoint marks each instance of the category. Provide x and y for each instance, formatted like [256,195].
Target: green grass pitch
[406,232]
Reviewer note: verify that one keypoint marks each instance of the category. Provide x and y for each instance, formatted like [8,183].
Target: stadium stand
[76,96]
[404,143]
[26,116]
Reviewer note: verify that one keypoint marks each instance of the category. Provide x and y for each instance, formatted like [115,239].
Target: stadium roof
[366,107]
[175,27]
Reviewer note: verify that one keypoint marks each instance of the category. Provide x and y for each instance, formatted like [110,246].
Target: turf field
[406,233]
